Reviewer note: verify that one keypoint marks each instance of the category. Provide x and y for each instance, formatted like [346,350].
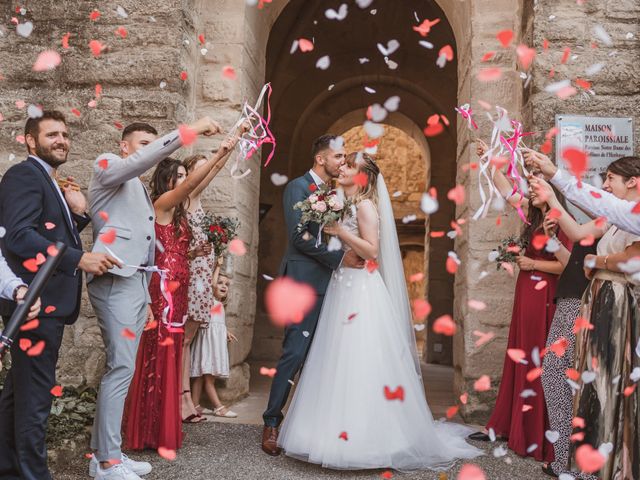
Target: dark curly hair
[163,180]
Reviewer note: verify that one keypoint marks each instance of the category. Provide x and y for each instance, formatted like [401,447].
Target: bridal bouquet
[508,250]
[323,206]
[219,231]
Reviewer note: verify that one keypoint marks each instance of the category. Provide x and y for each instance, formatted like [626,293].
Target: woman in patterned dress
[153,417]
[201,278]
[607,353]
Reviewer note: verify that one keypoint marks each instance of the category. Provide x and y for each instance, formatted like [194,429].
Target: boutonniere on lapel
[323,206]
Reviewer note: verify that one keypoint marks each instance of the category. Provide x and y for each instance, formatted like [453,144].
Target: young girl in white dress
[360,401]
[209,352]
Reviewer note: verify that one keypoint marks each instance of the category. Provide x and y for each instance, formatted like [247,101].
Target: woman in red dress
[152,414]
[520,413]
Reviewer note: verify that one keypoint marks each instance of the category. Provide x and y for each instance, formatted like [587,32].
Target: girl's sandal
[227,414]
[194,417]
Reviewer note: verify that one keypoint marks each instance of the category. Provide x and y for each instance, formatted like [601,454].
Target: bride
[360,400]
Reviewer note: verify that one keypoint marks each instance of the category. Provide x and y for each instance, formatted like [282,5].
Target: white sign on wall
[605,139]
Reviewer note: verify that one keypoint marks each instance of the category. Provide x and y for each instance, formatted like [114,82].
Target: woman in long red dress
[152,414]
[520,413]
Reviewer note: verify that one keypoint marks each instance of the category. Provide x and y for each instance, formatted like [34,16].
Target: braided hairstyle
[367,165]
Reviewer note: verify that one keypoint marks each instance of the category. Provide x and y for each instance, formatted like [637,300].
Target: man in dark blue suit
[304,262]
[36,213]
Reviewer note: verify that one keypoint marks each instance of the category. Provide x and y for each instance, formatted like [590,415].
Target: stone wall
[616,87]
[140,79]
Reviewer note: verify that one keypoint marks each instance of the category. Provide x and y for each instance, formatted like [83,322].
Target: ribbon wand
[33,292]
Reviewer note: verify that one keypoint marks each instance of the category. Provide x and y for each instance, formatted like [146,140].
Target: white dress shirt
[49,170]
[616,210]
[316,178]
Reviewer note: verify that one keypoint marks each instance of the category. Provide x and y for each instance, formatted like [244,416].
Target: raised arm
[367,244]
[171,199]
[111,170]
[504,186]
[568,225]
[593,200]
[301,239]
[228,145]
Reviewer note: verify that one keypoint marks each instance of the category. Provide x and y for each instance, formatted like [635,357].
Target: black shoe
[480,437]
[546,468]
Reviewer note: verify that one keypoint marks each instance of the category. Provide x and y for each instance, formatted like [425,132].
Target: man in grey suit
[123,223]
[304,262]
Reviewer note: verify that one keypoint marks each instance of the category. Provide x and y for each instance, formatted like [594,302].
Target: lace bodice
[350,223]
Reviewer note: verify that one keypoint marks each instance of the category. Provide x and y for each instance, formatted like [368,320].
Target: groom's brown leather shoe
[270,441]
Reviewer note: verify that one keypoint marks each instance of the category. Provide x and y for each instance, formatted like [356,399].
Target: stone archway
[307,101]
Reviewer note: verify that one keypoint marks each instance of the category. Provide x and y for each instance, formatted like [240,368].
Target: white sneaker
[117,472]
[139,468]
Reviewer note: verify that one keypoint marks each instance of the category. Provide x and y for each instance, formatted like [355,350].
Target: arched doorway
[308,101]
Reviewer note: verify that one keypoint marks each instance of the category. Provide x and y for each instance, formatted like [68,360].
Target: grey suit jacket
[116,190]
[303,261]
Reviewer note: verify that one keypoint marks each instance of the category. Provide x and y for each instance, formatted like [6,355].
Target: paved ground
[232,452]
[229,449]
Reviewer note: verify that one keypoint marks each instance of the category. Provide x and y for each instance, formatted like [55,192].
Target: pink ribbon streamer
[467,114]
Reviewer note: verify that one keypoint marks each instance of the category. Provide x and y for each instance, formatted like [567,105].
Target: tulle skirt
[360,401]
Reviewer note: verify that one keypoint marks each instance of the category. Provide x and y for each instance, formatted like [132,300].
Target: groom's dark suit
[34,215]
[303,262]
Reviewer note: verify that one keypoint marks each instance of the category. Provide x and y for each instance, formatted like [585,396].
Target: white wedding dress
[340,416]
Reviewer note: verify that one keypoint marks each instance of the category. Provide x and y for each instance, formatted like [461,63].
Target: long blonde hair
[367,165]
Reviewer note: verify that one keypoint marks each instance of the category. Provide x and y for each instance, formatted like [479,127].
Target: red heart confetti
[452,411]
[167,453]
[36,349]
[65,40]
[305,45]
[30,325]
[577,160]
[516,354]
[217,309]
[47,60]
[187,135]
[172,285]
[444,325]
[469,471]
[94,15]
[525,56]
[49,309]
[572,374]
[421,309]
[56,391]
[397,394]
[269,372]
[482,384]
[128,334]
[288,301]
[578,422]
[104,215]
[343,436]
[237,247]
[505,37]
[456,195]
[122,32]
[31,265]
[565,55]
[533,374]
[588,240]
[96,47]
[52,250]
[361,179]
[387,475]
[416,277]
[103,163]
[108,237]
[589,460]
[25,344]
[540,285]
[371,265]
[40,259]
[49,225]
[489,74]
[166,342]
[183,75]
[487,56]
[229,72]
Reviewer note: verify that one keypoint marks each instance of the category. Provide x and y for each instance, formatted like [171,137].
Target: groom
[304,262]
